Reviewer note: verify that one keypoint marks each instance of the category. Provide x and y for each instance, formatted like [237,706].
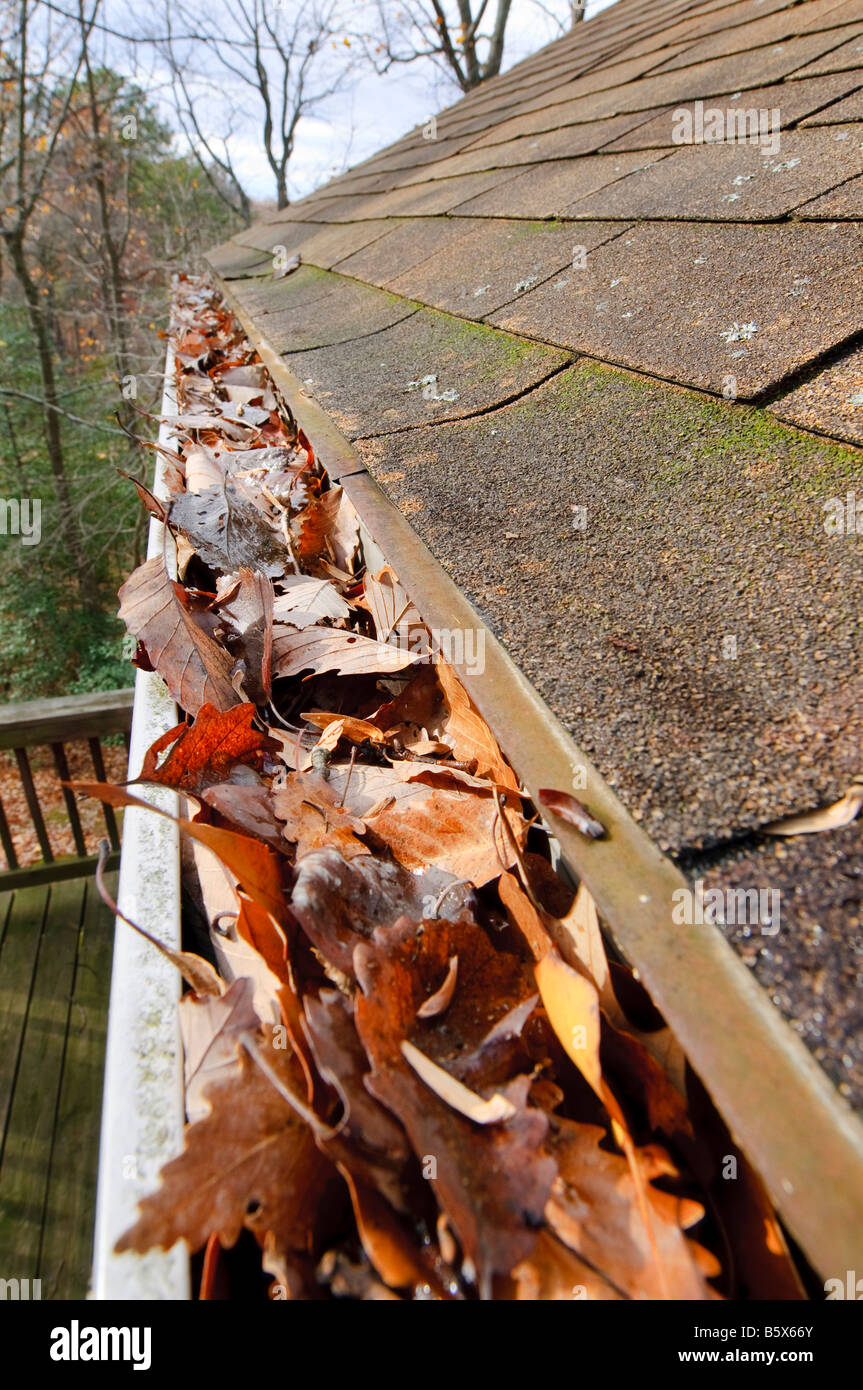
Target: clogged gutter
[411,1070]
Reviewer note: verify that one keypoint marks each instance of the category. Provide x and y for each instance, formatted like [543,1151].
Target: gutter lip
[143,1106]
[807,1150]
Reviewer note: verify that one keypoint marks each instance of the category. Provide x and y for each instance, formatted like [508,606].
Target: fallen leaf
[842,812]
[461,1098]
[205,752]
[571,810]
[304,601]
[195,668]
[329,649]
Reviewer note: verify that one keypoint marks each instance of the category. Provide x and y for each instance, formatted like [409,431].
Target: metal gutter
[780,1107]
[143,1111]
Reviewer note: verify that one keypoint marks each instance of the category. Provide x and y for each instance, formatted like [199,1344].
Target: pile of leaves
[411,1069]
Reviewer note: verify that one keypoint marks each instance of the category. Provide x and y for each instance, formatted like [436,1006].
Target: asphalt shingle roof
[614,321]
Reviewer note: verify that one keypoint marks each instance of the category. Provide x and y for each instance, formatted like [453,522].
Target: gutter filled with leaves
[411,1069]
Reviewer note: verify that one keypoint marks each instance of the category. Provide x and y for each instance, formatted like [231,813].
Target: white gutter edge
[143,1103]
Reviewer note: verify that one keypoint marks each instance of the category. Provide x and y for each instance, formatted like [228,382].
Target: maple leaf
[195,668]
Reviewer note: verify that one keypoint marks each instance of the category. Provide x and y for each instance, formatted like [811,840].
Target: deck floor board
[54,984]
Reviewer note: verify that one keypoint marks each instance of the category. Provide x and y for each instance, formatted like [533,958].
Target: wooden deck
[55,966]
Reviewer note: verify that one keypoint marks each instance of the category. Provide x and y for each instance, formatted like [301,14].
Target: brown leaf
[554,1274]
[320,649]
[467,732]
[256,867]
[205,752]
[594,1208]
[196,669]
[339,904]
[571,810]
[251,1161]
[211,1028]
[246,601]
[307,805]
[304,601]
[388,603]
[491,1180]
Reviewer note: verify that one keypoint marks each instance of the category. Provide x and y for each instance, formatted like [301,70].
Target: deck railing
[55,724]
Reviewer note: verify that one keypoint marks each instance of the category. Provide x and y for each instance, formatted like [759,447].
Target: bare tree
[277,54]
[38,91]
[463,38]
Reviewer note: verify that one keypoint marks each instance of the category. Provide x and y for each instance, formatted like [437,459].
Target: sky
[379,110]
[367,114]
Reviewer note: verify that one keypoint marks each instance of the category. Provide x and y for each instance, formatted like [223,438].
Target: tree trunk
[51,421]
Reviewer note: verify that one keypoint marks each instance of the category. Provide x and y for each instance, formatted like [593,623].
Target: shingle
[545,190]
[703,522]
[832,401]
[792,99]
[851,109]
[428,368]
[715,306]
[723,182]
[345,310]
[840,57]
[409,242]
[425,199]
[497,261]
[235,262]
[564,142]
[843,202]
[783,24]
[321,244]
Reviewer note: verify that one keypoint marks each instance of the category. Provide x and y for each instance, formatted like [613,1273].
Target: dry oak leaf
[320,649]
[202,754]
[594,1208]
[313,526]
[307,805]
[251,1161]
[195,668]
[339,904]
[211,1029]
[370,1144]
[467,733]
[249,808]
[492,1181]
[304,601]
[554,1274]
[430,815]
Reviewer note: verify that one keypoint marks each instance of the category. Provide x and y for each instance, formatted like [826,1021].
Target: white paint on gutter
[142,1105]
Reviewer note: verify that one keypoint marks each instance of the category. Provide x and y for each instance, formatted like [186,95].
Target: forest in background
[102,200]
